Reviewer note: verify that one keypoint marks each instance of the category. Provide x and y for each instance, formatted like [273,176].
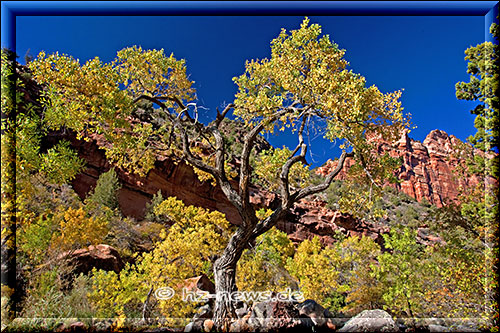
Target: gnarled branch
[313,189]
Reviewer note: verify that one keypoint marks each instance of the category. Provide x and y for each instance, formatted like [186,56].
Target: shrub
[316,269]
[185,250]
[77,229]
[106,190]
[263,266]
[45,298]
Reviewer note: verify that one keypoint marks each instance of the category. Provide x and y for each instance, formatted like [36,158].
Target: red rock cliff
[307,218]
[426,172]
[427,167]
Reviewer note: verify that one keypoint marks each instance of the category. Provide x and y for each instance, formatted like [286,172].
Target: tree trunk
[225,284]
[225,280]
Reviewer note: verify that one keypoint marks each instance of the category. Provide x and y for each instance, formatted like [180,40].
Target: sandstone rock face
[426,170]
[172,179]
[426,173]
[306,220]
[313,218]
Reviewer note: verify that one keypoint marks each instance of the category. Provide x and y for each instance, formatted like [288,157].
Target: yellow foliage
[77,230]
[458,287]
[184,251]
[316,269]
[307,67]
[89,98]
[268,168]
[263,213]
[359,266]
[210,160]
[262,268]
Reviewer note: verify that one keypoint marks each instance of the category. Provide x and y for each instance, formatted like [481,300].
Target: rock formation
[427,167]
[102,256]
[307,219]
[370,321]
[426,172]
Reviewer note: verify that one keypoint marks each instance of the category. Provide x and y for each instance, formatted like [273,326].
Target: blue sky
[424,55]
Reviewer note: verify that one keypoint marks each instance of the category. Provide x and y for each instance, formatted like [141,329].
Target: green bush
[106,190]
[151,206]
[47,299]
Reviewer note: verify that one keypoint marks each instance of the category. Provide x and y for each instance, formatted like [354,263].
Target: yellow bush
[316,269]
[263,266]
[185,250]
[77,230]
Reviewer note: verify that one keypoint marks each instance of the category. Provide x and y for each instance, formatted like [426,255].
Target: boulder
[200,283]
[198,286]
[241,310]
[76,326]
[241,324]
[102,256]
[465,328]
[370,321]
[319,316]
[277,316]
[208,325]
[438,328]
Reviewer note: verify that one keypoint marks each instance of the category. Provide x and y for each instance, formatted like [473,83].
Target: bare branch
[280,212]
[158,101]
[218,171]
[173,99]
[189,155]
[221,116]
[226,187]
[247,148]
[313,189]
[151,99]
[285,169]
[363,163]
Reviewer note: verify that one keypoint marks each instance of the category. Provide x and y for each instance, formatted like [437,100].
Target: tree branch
[221,116]
[280,212]
[218,171]
[313,189]
[247,148]
[151,99]
[363,163]
[285,169]
[221,177]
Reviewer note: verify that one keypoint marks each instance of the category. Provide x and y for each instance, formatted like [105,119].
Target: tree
[457,280]
[184,251]
[359,265]
[401,272]
[483,87]
[481,211]
[8,184]
[105,193]
[317,270]
[262,267]
[304,83]
[23,160]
